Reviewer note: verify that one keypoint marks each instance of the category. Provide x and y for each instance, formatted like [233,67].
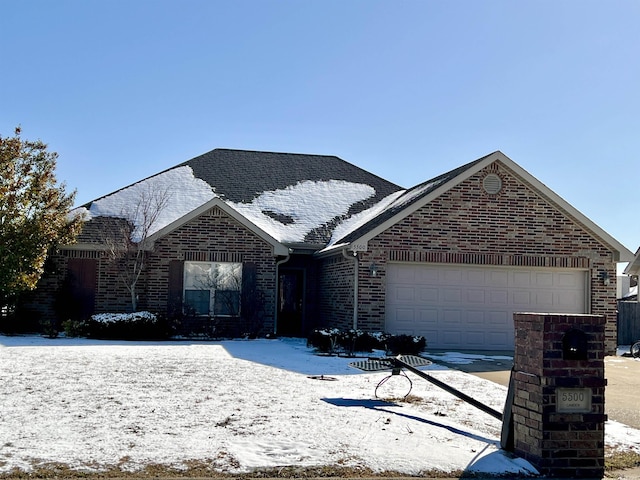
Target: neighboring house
[628,304]
[297,242]
[632,272]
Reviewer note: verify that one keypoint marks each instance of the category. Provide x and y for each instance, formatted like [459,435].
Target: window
[212,288]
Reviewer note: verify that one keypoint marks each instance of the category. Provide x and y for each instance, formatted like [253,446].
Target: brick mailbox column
[558,389]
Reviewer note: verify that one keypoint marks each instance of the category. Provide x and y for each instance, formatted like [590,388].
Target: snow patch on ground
[239,405]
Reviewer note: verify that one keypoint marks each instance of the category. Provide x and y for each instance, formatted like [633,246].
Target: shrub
[324,340]
[120,326]
[75,328]
[348,342]
[405,344]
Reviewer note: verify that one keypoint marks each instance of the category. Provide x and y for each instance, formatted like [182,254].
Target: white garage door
[464,307]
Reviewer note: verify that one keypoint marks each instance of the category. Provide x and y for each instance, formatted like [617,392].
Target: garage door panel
[498,318]
[567,301]
[498,297]
[427,317]
[496,340]
[476,296]
[521,279]
[404,293]
[426,276]
[476,317]
[497,278]
[399,315]
[476,277]
[451,316]
[544,279]
[428,294]
[568,280]
[544,299]
[451,295]
[452,276]
[475,339]
[451,338]
[405,274]
[521,298]
[472,307]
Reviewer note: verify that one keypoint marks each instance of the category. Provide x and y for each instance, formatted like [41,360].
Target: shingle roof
[241,175]
[257,184]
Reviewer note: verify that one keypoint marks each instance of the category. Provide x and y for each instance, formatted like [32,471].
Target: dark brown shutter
[176,278]
[82,281]
[249,296]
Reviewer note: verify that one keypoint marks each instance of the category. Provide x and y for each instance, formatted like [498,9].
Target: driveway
[622,374]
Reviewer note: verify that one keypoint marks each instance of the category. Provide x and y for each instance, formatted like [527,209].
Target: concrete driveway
[622,374]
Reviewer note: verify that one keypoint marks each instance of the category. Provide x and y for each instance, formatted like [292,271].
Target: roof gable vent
[492,183]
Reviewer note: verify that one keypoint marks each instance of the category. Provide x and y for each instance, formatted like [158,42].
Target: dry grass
[208,469]
[202,470]
[622,461]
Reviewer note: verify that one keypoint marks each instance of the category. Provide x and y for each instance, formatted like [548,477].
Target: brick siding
[516,227]
[212,236]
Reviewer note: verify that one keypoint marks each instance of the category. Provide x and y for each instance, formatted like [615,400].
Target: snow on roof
[358,220]
[396,200]
[289,214]
[182,190]
[416,192]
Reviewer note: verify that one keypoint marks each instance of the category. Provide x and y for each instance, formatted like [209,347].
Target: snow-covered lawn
[237,406]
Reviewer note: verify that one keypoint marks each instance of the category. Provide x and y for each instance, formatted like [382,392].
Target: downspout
[275,307]
[356,265]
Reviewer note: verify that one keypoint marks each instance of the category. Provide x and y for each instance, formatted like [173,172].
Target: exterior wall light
[606,280]
[373,270]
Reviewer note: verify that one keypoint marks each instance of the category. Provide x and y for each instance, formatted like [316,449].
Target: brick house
[285,243]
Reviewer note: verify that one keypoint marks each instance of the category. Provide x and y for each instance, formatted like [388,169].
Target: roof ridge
[270,152]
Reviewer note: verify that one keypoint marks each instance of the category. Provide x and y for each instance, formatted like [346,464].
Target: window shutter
[82,275]
[249,273]
[249,287]
[176,278]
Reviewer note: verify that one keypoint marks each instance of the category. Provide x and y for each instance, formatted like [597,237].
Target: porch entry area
[290,302]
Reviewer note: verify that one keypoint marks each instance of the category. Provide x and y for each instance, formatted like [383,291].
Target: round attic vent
[492,183]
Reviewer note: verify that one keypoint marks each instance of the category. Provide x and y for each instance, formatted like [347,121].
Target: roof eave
[634,265]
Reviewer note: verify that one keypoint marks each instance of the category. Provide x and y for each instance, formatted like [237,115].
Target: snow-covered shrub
[121,326]
[324,340]
[348,342]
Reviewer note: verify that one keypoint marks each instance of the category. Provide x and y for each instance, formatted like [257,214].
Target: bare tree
[127,239]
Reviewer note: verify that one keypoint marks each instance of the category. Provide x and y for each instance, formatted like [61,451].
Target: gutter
[356,265]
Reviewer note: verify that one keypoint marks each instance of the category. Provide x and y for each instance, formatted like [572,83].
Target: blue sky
[405,89]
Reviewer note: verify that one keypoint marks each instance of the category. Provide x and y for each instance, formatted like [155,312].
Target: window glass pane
[227,302]
[197,275]
[198,300]
[222,280]
[228,276]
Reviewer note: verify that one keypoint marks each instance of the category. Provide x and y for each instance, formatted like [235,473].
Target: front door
[290,302]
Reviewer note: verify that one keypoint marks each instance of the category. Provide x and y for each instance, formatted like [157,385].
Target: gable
[218,208]
[516,223]
[529,191]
